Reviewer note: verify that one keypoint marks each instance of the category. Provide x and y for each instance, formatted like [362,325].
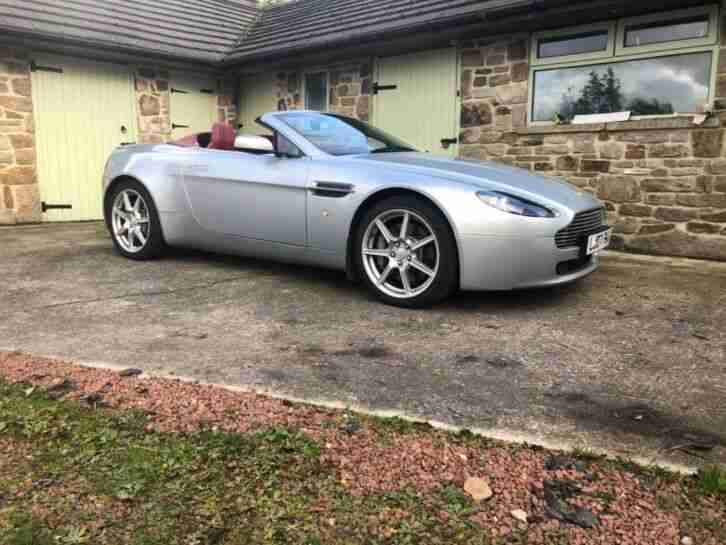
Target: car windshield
[341,135]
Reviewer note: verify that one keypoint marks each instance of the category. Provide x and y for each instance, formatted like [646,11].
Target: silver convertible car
[328,190]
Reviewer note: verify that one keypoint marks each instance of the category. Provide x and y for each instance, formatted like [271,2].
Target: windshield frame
[368,130]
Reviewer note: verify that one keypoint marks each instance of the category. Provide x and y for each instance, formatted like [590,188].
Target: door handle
[377,87]
[175,126]
[446,142]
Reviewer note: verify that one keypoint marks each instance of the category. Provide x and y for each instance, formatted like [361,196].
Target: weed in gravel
[585,454]
[712,481]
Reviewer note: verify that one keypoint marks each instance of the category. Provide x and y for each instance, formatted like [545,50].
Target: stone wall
[663,181]
[349,90]
[19,198]
[153,96]
[152,105]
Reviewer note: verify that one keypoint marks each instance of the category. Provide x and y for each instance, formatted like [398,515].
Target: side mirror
[253,143]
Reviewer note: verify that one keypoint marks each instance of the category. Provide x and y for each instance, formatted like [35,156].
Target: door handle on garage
[333,190]
[446,142]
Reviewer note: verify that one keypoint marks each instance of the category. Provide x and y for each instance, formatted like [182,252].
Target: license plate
[598,241]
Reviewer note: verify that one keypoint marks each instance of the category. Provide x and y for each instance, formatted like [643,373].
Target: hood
[489,175]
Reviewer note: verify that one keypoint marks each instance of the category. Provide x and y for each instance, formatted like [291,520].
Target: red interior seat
[223,136]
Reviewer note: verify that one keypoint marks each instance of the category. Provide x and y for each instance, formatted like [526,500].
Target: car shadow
[461,301]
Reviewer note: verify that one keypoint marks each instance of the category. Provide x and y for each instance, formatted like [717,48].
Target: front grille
[582,223]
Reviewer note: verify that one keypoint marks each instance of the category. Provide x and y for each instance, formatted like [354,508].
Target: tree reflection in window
[656,86]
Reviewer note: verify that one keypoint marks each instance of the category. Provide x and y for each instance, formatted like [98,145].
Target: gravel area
[626,505]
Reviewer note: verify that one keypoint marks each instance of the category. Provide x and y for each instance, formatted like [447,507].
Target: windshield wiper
[392,149]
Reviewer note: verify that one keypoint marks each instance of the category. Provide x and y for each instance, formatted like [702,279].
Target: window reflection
[655,86]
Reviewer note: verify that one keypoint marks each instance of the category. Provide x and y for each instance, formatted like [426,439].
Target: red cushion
[223,136]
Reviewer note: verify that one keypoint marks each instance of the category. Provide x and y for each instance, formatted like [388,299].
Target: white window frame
[709,39]
[304,92]
[608,26]
[618,53]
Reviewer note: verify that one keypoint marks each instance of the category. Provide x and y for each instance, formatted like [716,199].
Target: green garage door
[257,97]
[421,105]
[82,111]
[193,104]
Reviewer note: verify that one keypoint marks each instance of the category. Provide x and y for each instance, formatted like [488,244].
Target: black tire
[154,245]
[446,279]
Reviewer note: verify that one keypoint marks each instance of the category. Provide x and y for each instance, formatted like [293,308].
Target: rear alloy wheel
[406,252]
[134,222]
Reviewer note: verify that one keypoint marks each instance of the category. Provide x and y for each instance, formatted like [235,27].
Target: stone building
[496,80]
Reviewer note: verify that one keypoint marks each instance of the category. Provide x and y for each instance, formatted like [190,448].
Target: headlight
[514,205]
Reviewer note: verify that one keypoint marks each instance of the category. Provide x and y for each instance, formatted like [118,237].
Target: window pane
[661,85]
[316,92]
[666,31]
[574,44]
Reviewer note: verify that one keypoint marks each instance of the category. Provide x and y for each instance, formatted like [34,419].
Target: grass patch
[99,476]
[24,529]
[712,481]
[586,455]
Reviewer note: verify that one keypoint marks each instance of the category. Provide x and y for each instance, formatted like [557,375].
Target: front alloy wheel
[400,253]
[406,252]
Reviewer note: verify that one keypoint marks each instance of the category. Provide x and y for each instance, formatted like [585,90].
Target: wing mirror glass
[253,143]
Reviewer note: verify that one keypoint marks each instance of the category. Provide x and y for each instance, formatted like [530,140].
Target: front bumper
[504,263]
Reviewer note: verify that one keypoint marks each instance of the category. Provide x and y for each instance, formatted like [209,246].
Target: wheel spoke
[130,239]
[416,264]
[423,242]
[142,220]
[405,280]
[124,228]
[384,275]
[404,226]
[140,236]
[137,204]
[384,231]
[127,202]
[376,252]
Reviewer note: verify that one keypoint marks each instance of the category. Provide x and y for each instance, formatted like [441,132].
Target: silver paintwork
[253,142]
[271,207]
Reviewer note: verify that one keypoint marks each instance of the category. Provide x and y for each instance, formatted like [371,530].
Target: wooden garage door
[82,111]
[257,97]
[193,104]
[421,104]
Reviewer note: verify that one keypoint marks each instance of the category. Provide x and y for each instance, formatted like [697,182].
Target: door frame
[191,76]
[457,98]
[46,58]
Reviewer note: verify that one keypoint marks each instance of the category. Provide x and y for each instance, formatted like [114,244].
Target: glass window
[655,86]
[658,32]
[573,44]
[341,135]
[285,147]
[316,91]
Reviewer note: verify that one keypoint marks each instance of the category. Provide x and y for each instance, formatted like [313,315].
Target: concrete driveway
[632,359]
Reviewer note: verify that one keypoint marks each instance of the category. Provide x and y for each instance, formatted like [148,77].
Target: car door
[260,197]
